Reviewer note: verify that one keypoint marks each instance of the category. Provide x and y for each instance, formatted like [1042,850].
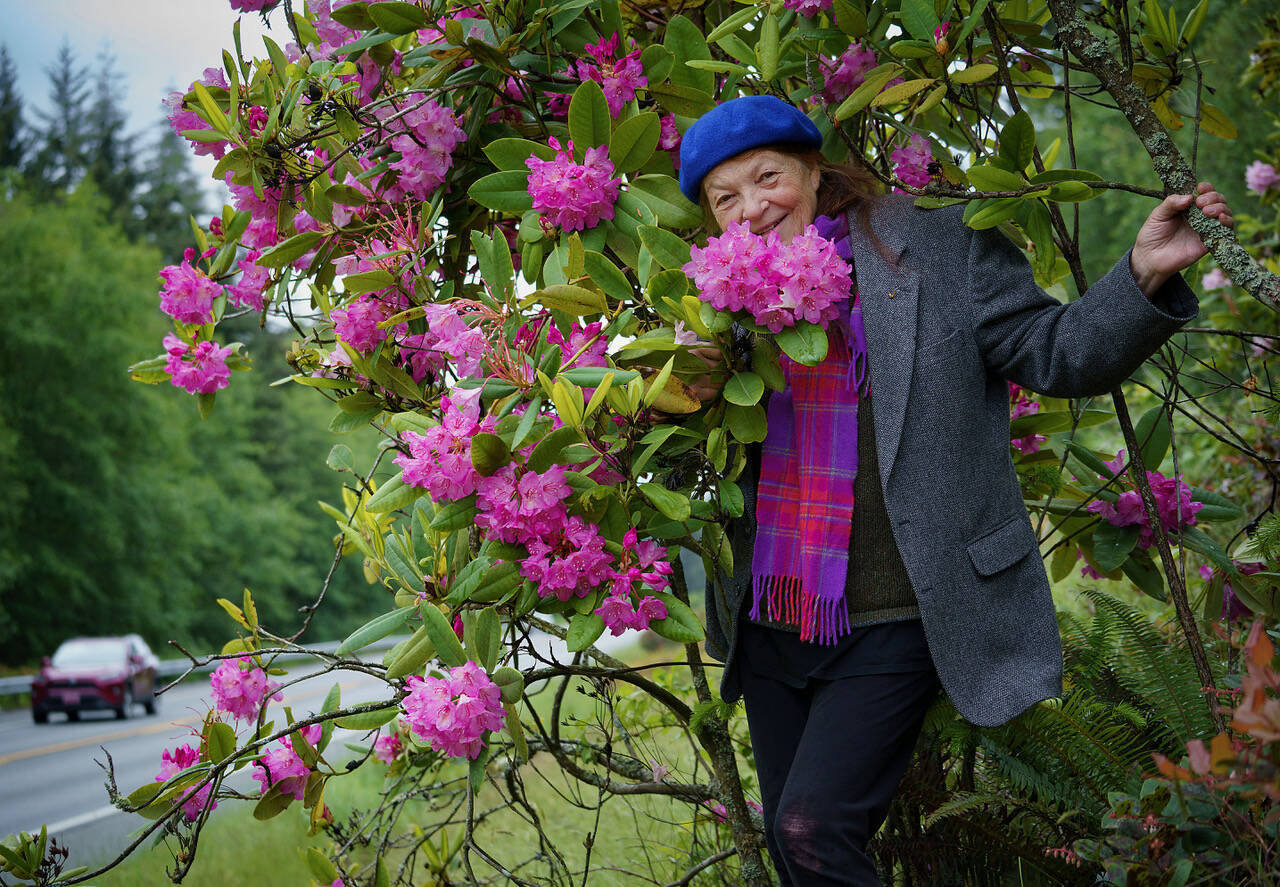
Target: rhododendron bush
[470,216]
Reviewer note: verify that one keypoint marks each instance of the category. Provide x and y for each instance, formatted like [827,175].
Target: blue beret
[750,121]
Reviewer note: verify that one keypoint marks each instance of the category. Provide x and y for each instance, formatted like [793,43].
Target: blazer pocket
[1002,547]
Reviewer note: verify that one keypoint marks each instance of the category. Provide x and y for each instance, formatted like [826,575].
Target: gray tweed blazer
[950,315]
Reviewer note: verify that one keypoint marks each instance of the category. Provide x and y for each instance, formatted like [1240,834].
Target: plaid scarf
[804,505]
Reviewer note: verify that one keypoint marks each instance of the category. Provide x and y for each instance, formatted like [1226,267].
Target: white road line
[77,821]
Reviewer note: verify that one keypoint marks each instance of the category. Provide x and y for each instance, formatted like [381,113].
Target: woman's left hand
[1166,243]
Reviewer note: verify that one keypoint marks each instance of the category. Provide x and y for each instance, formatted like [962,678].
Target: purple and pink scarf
[804,505]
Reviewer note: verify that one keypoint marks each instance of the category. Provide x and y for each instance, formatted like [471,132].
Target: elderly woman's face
[765,189]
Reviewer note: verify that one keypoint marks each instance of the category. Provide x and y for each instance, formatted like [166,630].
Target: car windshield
[89,653]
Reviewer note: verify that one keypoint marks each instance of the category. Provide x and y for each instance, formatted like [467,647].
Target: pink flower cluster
[174,762]
[448,338]
[778,283]
[1215,280]
[620,79]
[808,8]
[1173,502]
[569,562]
[845,74]
[252,5]
[357,324]
[199,370]
[1021,404]
[911,161]
[387,747]
[452,714]
[643,563]
[440,460]
[669,138]
[427,137]
[242,689]
[281,767]
[188,293]
[180,118]
[1259,177]
[573,196]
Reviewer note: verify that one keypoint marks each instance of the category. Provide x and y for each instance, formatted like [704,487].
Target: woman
[919,525]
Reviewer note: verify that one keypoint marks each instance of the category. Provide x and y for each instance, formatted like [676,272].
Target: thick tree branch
[1166,159]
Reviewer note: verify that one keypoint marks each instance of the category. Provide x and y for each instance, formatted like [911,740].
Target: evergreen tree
[59,162]
[12,143]
[110,154]
[170,194]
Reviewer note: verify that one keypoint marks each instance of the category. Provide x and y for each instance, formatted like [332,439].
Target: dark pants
[830,757]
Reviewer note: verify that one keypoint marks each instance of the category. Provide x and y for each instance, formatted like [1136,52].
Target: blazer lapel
[889,295]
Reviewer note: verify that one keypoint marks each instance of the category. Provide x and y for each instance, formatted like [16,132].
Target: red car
[95,673]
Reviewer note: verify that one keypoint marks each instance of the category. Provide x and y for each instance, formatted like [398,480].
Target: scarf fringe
[785,600]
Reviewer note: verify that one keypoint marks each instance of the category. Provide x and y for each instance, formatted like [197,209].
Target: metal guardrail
[15,685]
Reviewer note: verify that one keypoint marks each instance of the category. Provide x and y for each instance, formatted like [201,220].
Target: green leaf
[972,20]
[503,191]
[510,154]
[919,19]
[500,580]
[588,118]
[669,250]
[900,92]
[368,720]
[1216,507]
[576,300]
[681,624]
[397,18]
[488,453]
[633,142]
[584,629]
[662,194]
[375,630]
[993,178]
[670,504]
[744,388]
[550,449]
[408,657]
[731,498]
[873,82]
[394,493]
[994,211]
[510,683]
[493,254]
[605,274]
[682,100]
[1112,545]
[454,515]
[437,626]
[1146,575]
[289,251]
[746,424]
[732,23]
[220,741]
[1198,540]
[657,61]
[1153,435]
[487,640]
[804,343]
[767,48]
[1053,421]
[272,803]
[1018,140]
[686,42]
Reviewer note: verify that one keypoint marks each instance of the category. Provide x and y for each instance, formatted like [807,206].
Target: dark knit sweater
[877,588]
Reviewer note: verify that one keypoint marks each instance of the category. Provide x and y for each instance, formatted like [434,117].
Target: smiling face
[766,189]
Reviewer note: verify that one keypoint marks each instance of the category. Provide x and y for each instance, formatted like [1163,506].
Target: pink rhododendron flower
[717,810]
[573,196]
[1232,607]
[200,370]
[241,689]
[357,324]
[182,118]
[1021,404]
[620,79]
[940,42]
[188,293]
[1173,503]
[252,5]
[1215,280]
[453,713]
[448,339]
[387,747]
[778,284]
[808,8]
[669,138]
[439,461]
[174,762]
[427,137]
[683,336]
[619,614]
[658,772]
[505,513]
[570,564]
[257,119]
[282,768]
[248,291]
[1259,177]
[911,162]
[1087,571]
[845,74]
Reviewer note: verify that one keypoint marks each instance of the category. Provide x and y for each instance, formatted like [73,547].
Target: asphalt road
[49,774]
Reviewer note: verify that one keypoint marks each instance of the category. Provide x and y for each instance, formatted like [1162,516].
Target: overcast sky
[159,46]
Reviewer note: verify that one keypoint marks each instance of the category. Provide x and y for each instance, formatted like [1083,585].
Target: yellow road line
[135,731]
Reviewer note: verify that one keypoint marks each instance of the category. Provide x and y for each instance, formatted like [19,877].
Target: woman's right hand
[707,388]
